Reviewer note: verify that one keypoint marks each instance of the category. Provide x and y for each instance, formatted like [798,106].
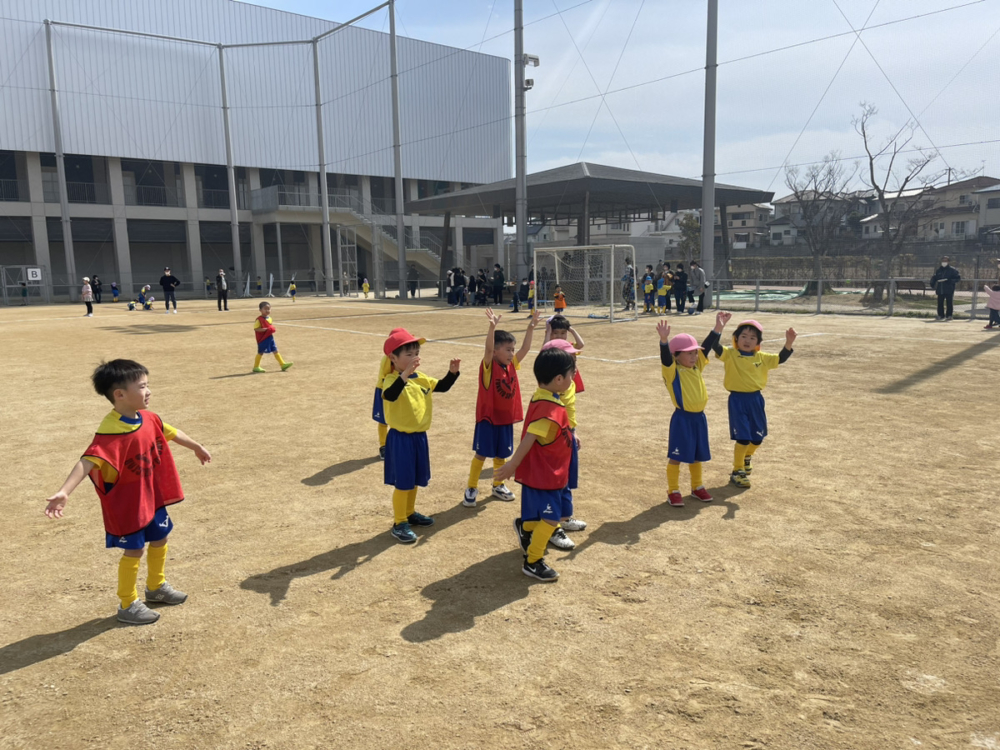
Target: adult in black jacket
[96,285]
[943,282]
[169,283]
[680,289]
[499,282]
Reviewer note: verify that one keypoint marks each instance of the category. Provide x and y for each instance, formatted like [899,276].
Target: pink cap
[683,342]
[561,344]
[753,323]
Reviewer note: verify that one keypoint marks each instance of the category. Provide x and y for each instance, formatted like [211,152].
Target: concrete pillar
[194,256]
[257,262]
[39,230]
[498,243]
[459,244]
[315,254]
[366,194]
[123,253]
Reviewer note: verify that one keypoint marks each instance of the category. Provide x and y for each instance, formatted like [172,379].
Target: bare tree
[903,193]
[824,205]
[690,243]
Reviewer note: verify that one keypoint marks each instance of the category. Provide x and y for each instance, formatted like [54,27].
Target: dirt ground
[849,599]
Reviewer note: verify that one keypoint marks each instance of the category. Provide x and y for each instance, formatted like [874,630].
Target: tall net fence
[595,281]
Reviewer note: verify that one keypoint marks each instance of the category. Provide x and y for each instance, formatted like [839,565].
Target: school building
[185,133]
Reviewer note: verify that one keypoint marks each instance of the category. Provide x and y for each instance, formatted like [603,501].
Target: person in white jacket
[993,306]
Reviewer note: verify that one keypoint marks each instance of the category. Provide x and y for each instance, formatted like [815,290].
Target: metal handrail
[14,190]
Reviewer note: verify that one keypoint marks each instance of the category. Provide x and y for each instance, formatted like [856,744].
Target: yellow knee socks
[739,452]
[400,503]
[156,562]
[696,481]
[128,574]
[257,359]
[475,470]
[673,477]
[411,502]
[497,465]
[383,431]
[281,362]
[751,449]
[540,535]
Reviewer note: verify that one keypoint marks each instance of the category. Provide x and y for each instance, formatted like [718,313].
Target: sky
[621,82]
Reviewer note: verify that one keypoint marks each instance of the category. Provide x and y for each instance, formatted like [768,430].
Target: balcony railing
[220,199]
[79,192]
[384,206]
[13,190]
[278,197]
[152,195]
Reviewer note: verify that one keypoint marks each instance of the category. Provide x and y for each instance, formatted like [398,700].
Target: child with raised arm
[406,395]
[541,464]
[746,376]
[263,329]
[558,300]
[130,463]
[682,361]
[498,405]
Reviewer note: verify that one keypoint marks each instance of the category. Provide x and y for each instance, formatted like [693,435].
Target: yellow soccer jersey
[115,424]
[568,398]
[746,373]
[531,293]
[412,411]
[292,287]
[384,367]
[686,385]
[648,287]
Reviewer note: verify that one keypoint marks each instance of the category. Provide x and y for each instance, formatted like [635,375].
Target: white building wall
[131,97]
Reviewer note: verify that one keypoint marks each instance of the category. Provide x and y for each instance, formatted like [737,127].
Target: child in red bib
[498,405]
[541,464]
[263,329]
[134,474]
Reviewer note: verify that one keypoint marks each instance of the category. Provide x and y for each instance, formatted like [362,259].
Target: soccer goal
[599,281]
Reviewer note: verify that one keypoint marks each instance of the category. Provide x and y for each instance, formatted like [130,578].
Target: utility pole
[520,136]
[397,153]
[708,169]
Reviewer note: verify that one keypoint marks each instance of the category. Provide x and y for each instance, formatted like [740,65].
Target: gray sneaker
[166,594]
[560,540]
[137,614]
[501,492]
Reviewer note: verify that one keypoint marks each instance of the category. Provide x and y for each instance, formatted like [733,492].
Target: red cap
[399,337]
[683,342]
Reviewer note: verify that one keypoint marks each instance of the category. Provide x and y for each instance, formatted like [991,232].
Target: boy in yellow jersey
[682,361]
[531,298]
[746,376]
[378,408]
[406,395]
[648,290]
[498,405]
[365,287]
[663,287]
[541,464]
[130,463]
[263,329]
[291,290]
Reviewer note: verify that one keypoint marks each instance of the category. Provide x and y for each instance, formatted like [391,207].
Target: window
[993,203]
[868,230]
[958,228]
[963,199]
[776,237]
[743,223]
[788,232]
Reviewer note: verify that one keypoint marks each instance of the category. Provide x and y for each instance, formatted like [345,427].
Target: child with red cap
[406,396]
[746,376]
[682,361]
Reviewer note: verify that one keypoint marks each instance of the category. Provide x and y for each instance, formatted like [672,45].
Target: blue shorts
[747,420]
[267,346]
[407,460]
[293,292]
[574,466]
[547,505]
[493,440]
[688,437]
[661,301]
[378,413]
[155,530]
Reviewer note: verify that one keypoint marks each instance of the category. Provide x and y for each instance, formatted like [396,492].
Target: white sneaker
[573,524]
[471,493]
[175,311]
[560,540]
[501,492]
[89,315]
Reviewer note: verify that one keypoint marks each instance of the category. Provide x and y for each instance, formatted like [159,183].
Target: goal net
[599,281]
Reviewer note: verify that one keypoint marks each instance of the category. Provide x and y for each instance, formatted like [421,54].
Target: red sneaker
[702,494]
[675,499]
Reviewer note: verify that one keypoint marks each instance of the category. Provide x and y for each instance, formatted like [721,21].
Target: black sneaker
[539,570]
[381,452]
[419,519]
[523,537]
[404,533]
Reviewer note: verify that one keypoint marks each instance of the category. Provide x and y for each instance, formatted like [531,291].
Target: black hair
[745,327]
[261,305]
[559,323]
[551,363]
[996,287]
[503,337]
[118,373]
[407,348]
[649,267]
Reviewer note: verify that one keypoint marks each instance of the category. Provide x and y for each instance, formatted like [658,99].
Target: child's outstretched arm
[199,450]
[507,470]
[666,358]
[57,502]
[577,338]
[494,320]
[721,319]
[526,343]
[786,352]
[548,331]
[444,384]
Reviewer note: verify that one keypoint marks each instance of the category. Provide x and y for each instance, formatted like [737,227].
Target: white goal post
[599,281]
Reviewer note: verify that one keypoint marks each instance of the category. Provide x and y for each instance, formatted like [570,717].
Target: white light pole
[708,170]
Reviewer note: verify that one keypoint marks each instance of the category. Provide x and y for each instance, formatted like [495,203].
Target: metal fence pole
[756,297]
[892,296]
[975,298]
[819,296]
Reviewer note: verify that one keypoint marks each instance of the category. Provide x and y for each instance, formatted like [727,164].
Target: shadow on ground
[148,330]
[629,532]
[938,368]
[39,648]
[338,470]
[343,560]
[483,587]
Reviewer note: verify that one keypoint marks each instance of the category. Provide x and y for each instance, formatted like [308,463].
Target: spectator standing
[698,283]
[169,283]
[499,282]
[98,287]
[87,294]
[472,289]
[628,285]
[680,287]
[412,277]
[460,285]
[222,286]
[449,287]
[943,282]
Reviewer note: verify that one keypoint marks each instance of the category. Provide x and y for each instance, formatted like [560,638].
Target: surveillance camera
[529,83]
[532,60]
